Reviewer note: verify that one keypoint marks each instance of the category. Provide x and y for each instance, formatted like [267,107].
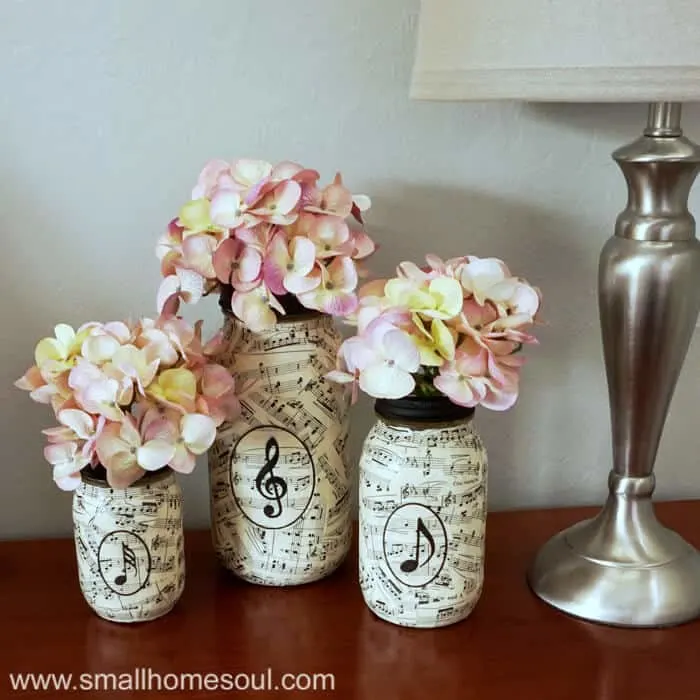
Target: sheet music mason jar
[280,488]
[130,546]
[422,513]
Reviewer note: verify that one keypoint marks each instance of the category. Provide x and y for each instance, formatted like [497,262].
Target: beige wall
[108,110]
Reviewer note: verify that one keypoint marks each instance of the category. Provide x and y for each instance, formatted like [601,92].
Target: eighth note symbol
[268,484]
[409,565]
[128,560]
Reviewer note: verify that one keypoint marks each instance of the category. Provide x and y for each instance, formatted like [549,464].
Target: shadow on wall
[622,122]
[545,248]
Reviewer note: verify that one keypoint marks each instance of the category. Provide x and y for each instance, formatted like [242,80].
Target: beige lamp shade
[558,50]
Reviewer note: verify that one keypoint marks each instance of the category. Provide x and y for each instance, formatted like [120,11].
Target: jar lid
[432,409]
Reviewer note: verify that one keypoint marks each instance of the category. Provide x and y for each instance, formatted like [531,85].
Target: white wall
[108,110]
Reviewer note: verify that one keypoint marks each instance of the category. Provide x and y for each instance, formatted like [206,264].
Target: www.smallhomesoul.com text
[147,679]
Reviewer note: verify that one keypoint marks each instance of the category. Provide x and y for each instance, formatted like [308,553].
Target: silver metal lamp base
[623,567]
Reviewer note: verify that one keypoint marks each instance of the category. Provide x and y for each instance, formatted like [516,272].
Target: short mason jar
[130,546]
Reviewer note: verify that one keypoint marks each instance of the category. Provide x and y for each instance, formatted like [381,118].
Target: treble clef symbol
[268,484]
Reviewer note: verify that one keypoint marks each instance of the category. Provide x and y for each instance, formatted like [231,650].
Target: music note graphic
[268,484]
[411,564]
[128,560]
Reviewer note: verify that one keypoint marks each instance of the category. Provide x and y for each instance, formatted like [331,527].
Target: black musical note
[409,565]
[268,484]
[128,560]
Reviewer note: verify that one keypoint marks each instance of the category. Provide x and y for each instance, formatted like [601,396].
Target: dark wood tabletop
[512,647]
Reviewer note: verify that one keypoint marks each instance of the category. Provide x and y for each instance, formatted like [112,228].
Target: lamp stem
[664,119]
[623,567]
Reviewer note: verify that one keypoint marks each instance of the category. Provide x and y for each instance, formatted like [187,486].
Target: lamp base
[620,568]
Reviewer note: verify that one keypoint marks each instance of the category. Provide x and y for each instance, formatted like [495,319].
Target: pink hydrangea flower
[67,461]
[126,455]
[192,435]
[238,264]
[288,266]
[107,383]
[335,291]
[267,231]
[386,370]
[463,319]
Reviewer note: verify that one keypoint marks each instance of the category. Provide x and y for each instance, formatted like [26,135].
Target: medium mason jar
[422,513]
[130,546]
[279,477]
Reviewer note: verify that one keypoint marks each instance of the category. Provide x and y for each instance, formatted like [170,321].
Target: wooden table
[513,646]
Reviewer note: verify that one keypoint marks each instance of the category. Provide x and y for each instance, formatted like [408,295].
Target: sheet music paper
[130,547]
[280,487]
[422,523]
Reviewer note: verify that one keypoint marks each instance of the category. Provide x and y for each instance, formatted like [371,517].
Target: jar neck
[422,412]
[294,322]
[97,476]
[423,425]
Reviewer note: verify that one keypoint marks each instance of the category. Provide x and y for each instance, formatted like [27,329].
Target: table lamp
[621,567]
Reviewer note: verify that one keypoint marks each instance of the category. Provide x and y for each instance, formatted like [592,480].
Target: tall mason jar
[279,477]
[422,516]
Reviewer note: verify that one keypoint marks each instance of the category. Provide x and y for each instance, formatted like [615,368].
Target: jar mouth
[98,477]
[432,409]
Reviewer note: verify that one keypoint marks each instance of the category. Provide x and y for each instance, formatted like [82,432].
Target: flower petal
[299,284]
[342,273]
[384,382]
[303,253]
[277,260]
[286,196]
[340,377]
[198,432]
[226,208]
[398,347]
[48,349]
[155,454]
[68,482]
[253,308]
[169,288]
[459,391]
[60,452]
[31,380]
[216,381]
[191,285]
[449,295]
[81,423]
[443,338]
[196,215]
[248,171]
[183,461]
[122,470]
[250,263]
[198,251]
[99,348]
[357,354]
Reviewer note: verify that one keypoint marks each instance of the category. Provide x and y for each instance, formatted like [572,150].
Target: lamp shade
[558,50]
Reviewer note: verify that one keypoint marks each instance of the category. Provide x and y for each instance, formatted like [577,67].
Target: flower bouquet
[432,344]
[450,329]
[269,239]
[131,399]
